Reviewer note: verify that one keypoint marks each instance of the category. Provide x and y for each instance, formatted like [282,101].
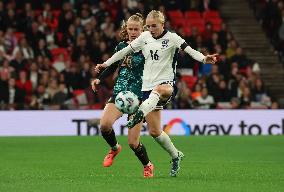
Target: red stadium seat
[19,35]
[178,22]
[59,37]
[192,14]
[210,14]
[37,12]
[56,13]
[216,23]
[190,80]
[243,71]
[57,51]
[187,30]
[77,92]
[175,14]
[97,106]
[198,23]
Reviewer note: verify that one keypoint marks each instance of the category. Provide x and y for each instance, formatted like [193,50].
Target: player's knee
[165,91]
[105,127]
[133,145]
[155,133]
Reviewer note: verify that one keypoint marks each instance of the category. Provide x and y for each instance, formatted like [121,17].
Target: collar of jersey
[160,36]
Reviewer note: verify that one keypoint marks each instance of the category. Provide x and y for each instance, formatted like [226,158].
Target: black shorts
[161,103]
[112,99]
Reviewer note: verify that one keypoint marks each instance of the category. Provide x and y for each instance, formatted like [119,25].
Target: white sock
[165,141]
[150,104]
[148,164]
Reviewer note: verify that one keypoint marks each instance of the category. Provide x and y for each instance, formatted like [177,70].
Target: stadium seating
[190,80]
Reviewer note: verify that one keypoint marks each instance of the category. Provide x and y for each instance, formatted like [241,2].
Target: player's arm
[105,73]
[116,57]
[198,56]
[134,46]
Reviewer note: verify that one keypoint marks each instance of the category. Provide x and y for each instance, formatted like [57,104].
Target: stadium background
[47,52]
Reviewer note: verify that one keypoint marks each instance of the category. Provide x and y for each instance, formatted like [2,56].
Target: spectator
[205,101]
[259,91]
[6,70]
[222,93]
[19,62]
[2,17]
[89,32]
[10,41]
[274,105]
[11,21]
[85,75]
[59,97]
[25,85]
[207,33]
[235,103]
[232,48]
[4,87]
[33,35]
[39,99]
[42,49]
[69,39]
[34,75]
[183,97]
[25,49]
[16,96]
[240,58]
[52,88]
[246,98]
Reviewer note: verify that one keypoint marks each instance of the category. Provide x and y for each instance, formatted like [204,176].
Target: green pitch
[75,164]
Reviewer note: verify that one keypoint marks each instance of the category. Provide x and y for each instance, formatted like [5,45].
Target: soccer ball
[127,102]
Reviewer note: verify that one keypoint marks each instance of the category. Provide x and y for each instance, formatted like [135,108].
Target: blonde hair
[157,15]
[123,32]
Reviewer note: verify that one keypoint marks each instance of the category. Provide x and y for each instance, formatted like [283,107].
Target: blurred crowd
[48,49]
[270,13]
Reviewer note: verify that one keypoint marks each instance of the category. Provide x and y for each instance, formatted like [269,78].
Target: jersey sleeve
[136,44]
[178,40]
[108,71]
[181,44]
[111,69]
[119,55]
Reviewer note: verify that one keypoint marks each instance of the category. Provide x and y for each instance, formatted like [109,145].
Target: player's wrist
[106,64]
[204,60]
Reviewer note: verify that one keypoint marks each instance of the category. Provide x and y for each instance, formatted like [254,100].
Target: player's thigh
[109,116]
[134,135]
[165,90]
[153,120]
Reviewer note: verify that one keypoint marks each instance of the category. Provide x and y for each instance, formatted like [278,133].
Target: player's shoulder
[173,34]
[146,34]
[121,45]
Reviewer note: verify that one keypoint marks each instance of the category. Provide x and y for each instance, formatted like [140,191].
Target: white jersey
[160,57]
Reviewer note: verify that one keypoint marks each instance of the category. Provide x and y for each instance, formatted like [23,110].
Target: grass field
[75,164]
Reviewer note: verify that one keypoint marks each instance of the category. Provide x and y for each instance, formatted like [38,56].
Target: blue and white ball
[127,102]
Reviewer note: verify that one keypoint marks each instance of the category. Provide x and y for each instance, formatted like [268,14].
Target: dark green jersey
[130,73]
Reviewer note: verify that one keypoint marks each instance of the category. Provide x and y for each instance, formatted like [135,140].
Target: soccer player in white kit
[160,48]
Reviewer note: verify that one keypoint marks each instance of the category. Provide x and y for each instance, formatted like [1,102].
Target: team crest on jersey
[165,43]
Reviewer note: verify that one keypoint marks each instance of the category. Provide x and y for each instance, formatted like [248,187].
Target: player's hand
[94,84]
[99,67]
[211,58]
